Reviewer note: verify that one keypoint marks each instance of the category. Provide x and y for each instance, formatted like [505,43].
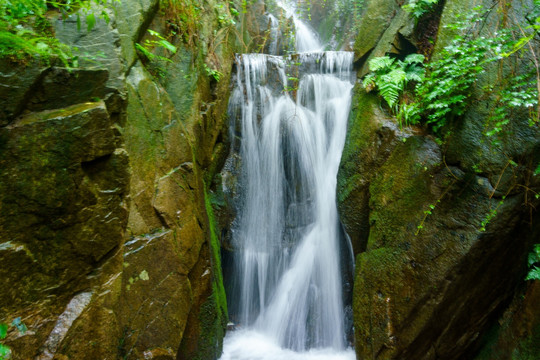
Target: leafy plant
[519,93]
[182,19]
[5,351]
[420,7]
[390,76]
[449,80]
[215,74]
[534,258]
[149,44]
[148,52]
[26,32]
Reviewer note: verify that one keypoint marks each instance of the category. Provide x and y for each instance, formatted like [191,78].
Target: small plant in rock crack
[533,262]
[390,77]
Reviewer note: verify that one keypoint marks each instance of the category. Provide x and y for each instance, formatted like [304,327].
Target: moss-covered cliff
[431,282]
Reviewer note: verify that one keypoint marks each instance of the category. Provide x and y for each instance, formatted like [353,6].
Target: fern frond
[397,77]
[414,73]
[369,82]
[380,63]
[390,93]
[414,59]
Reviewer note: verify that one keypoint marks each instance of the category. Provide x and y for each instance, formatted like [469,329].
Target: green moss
[212,316]
[401,192]
[65,112]
[361,128]
[219,289]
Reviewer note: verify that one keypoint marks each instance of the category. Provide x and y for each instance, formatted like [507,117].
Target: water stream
[286,295]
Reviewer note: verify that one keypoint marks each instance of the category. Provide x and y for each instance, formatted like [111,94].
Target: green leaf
[5,351]
[167,45]
[78,22]
[537,171]
[3,330]
[156,34]
[380,63]
[90,21]
[414,59]
[534,274]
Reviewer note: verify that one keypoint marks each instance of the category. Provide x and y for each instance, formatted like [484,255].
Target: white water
[287,293]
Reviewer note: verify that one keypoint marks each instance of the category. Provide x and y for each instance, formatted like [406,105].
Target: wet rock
[62,210]
[16,83]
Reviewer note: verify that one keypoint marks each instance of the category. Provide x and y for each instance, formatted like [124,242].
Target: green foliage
[26,32]
[159,41]
[5,351]
[215,74]
[391,76]
[449,80]
[182,19]
[519,93]
[148,51]
[224,13]
[3,330]
[420,7]
[491,214]
[534,258]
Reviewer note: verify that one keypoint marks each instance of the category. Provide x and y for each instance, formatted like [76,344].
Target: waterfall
[290,115]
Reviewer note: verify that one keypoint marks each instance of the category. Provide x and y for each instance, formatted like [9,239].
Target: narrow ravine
[290,116]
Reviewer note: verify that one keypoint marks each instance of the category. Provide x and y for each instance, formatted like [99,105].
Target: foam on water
[252,345]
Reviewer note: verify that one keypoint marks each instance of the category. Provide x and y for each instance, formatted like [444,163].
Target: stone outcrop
[108,245]
[430,282]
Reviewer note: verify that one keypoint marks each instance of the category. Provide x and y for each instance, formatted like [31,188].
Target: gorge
[211,180]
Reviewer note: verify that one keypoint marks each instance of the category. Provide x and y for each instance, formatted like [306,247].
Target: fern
[391,76]
[381,63]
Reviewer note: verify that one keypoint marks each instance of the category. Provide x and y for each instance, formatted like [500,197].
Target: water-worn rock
[16,83]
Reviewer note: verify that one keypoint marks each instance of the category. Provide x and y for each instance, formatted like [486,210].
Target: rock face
[108,246]
[430,283]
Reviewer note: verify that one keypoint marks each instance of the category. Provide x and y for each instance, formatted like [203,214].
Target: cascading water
[291,115]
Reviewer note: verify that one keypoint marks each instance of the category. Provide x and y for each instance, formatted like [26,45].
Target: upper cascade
[307,40]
